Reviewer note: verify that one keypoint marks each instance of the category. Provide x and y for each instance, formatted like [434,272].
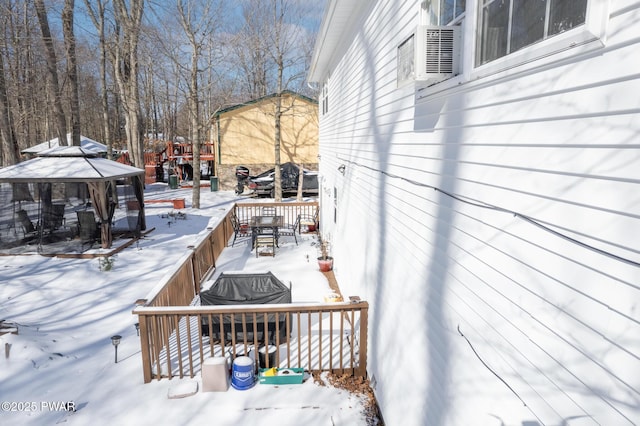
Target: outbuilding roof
[264,98]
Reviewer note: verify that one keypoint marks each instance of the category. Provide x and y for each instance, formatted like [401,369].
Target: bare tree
[250,56]
[9,154]
[52,64]
[72,69]
[125,54]
[281,41]
[97,16]
[182,95]
[21,51]
[197,23]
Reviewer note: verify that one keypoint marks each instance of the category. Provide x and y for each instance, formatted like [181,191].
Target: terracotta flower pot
[325,264]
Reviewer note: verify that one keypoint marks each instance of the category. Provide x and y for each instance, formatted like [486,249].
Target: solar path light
[115,340]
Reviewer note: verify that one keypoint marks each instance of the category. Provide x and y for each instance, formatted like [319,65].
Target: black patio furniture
[53,217]
[289,230]
[265,240]
[265,225]
[268,211]
[87,226]
[310,221]
[240,229]
[25,222]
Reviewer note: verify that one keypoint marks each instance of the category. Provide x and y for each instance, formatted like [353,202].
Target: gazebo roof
[67,164]
[85,142]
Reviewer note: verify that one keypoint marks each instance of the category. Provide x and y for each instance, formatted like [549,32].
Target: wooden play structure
[177,155]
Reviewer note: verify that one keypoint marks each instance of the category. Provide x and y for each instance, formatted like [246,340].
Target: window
[509,25]
[406,65]
[325,99]
[442,12]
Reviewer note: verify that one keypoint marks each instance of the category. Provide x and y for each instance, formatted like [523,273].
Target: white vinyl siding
[494,223]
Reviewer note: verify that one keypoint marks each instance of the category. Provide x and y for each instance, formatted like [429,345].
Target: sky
[67,310]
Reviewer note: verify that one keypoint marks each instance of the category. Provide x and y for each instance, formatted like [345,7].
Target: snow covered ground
[67,310]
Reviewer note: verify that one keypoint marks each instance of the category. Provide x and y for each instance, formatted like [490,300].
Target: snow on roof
[85,143]
[67,164]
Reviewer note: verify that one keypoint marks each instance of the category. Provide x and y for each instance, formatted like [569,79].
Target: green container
[214,183]
[173,181]
[295,376]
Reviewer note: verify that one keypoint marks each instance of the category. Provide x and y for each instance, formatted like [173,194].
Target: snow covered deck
[322,336]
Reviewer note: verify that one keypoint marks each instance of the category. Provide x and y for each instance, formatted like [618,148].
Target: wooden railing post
[364,319]
[145,353]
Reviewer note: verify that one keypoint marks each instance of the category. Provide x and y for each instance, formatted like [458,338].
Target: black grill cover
[246,289]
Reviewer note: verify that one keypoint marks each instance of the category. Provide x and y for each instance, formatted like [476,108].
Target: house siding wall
[493,226]
[246,134]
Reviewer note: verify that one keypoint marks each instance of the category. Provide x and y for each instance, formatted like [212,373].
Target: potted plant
[325,261]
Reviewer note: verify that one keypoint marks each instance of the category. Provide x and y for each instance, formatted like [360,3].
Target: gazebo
[67,183]
[85,143]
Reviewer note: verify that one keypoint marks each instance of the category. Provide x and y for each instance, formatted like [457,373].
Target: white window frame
[586,38]
[589,36]
[405,61]
[430,12]
[324,99]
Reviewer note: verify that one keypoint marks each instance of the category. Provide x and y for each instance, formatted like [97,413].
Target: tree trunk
[61,125]
[9,154]
[278,16]
[72,69]
[197,21]
[126,73]
[300,182]
[277,181]
[97,16]
[196,141]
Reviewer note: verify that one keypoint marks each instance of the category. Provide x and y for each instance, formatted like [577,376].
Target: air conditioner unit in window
[437,53]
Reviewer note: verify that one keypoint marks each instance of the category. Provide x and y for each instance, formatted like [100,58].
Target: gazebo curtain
[21,192]
[138,188]
[105,206]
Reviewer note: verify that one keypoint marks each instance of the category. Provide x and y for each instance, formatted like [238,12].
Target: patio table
[259,224]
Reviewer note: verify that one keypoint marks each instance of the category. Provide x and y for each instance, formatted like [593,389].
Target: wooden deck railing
[183,284]
[176,150]
[317,337]
[289,211]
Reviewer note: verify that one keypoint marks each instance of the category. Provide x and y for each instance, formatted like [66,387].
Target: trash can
[214,183]
[269,353]
[173,181]
[159,173]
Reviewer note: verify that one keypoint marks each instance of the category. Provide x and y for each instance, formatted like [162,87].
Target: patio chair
[87,226]
[54,218]
[289,230]
[310,221]
[266,240]
[240,229]
[27,226]
[269,211]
